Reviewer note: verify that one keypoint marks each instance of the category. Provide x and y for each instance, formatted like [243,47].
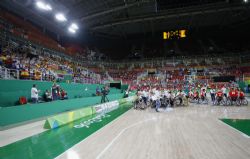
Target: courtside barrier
[65,118]
[129,99]
[16,115]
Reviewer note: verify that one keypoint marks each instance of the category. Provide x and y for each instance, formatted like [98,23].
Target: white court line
[93,133]
[245,135]
[123,130]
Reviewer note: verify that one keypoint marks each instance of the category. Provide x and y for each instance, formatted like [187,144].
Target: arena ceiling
[122,18]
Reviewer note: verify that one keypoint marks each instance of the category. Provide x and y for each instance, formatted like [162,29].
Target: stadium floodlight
[43,6]
[71,30]
[74,26]
[60,17]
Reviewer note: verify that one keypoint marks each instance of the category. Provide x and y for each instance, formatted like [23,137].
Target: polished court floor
[193,132]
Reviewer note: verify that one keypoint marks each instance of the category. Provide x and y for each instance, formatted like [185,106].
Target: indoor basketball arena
[124,79]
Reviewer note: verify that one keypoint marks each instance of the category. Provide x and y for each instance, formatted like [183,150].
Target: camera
[105,91]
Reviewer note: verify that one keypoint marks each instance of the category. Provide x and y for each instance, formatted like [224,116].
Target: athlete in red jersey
[233,94]
[219,93]
[203,93]
[196,94]
[242,94]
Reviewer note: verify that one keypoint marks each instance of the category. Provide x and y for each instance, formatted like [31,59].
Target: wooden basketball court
[193,132]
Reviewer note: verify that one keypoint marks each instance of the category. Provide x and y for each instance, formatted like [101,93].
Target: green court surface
[52,143]
[243,125]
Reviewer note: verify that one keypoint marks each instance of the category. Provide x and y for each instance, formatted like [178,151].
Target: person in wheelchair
[241,94]
[242,99]
[145,96]
[196,95]
[203,94]
[180,95]
[153,100]
[219,95]
[233,94]
[190,94]
[167,98]
[138,102]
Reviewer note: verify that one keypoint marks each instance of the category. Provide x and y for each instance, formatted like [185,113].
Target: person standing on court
[34,94]
[212,94]
[224,90]
[54,91]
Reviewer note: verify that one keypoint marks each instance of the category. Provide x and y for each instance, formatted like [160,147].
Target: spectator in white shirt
[34,94]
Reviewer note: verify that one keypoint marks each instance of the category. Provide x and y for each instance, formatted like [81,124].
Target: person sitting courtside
[64,94]
[48,96]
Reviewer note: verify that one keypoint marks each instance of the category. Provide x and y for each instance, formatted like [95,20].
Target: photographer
[105,91]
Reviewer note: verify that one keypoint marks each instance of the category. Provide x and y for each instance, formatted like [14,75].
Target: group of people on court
[232,93]
[157,94]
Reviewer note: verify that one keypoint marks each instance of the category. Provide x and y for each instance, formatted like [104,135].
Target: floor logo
[96,119]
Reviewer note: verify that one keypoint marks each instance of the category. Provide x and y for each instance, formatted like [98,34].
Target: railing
[9,73]
[6,73]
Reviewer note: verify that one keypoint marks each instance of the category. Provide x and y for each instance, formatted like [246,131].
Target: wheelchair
[219,101]
[203,100]
[140,104]
[243,101]
[232,101]
[180,101]
[193,99]
[166,102]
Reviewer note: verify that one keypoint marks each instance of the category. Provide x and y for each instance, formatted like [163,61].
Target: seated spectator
[98,91]
[64,94]
[47,96]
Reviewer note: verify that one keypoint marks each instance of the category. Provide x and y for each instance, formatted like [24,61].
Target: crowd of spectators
[177,74]
[26,65]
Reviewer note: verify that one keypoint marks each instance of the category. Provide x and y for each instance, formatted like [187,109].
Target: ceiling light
[74,26]
[60,17]
[71,30]
[43,6]
[245,1]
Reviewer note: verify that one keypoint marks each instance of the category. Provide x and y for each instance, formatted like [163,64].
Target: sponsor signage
[87,123]
[106,107]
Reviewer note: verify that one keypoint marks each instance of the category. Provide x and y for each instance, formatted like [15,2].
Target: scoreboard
[174,34]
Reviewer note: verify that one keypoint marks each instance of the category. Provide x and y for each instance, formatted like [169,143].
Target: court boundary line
[243,134]
[119,134]
[93,133]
